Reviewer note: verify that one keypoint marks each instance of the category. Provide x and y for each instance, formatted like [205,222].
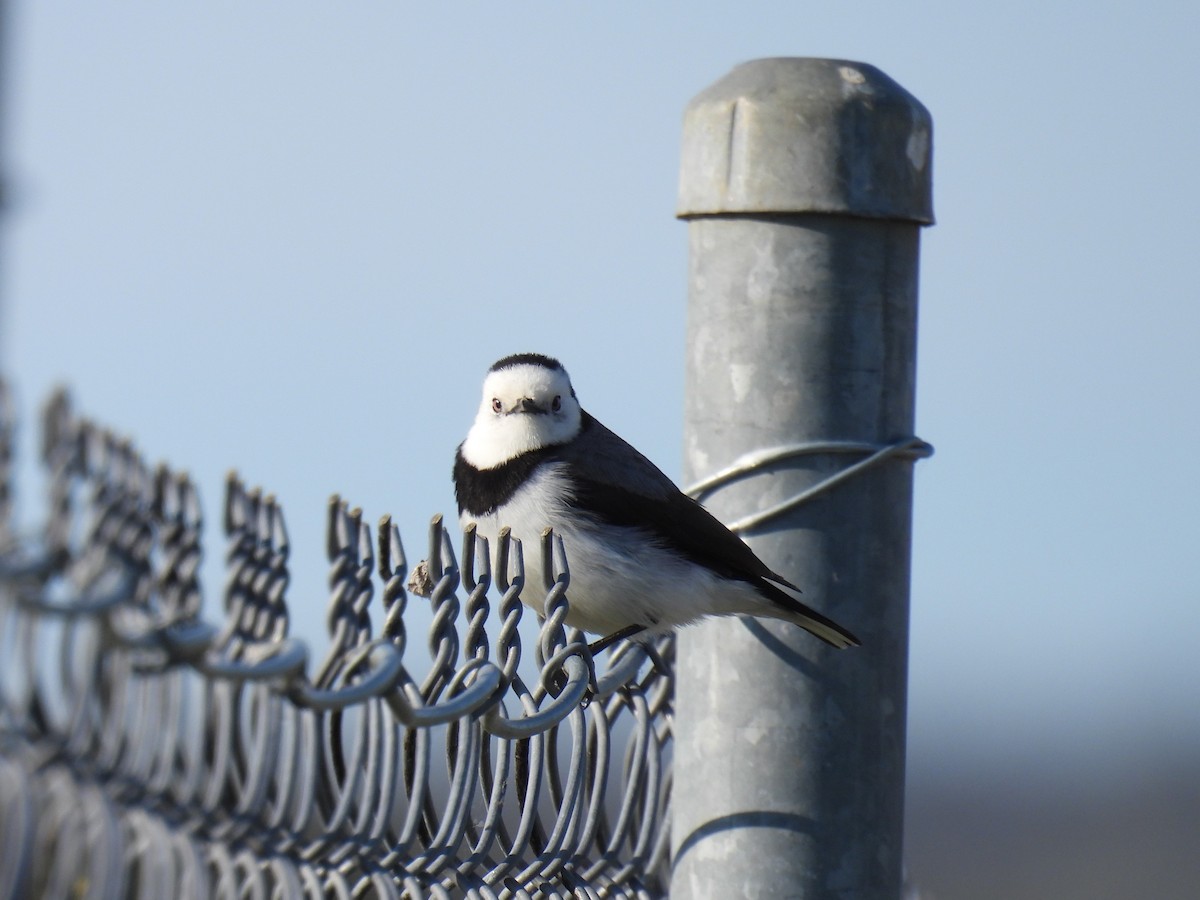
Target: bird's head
[528,403]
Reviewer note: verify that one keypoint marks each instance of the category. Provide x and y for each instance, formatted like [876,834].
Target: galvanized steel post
[805,183]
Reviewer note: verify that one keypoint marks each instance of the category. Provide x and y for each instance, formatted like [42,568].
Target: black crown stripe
[526,359]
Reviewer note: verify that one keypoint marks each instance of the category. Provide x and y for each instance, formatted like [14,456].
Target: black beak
[529,406]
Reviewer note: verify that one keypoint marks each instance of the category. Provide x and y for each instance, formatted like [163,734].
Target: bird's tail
[809,619]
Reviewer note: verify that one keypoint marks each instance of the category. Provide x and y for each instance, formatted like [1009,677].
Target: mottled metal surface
[797,135]
[805,183]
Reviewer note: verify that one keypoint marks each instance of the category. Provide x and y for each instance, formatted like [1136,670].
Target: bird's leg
[605,642]
[660,664]
[560,679]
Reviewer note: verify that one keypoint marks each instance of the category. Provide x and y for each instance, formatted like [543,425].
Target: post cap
[799,135]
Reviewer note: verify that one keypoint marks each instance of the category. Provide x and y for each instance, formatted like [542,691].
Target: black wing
[624,488]
[615,482]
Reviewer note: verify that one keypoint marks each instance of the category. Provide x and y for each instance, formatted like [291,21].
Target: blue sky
[290,238]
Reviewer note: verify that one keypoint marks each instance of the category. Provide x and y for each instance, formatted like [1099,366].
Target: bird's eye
[556,405]
[497,405]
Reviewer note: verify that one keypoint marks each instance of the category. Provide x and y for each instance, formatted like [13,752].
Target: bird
[643,557]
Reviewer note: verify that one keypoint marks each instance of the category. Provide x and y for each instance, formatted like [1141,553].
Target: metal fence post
[804,183]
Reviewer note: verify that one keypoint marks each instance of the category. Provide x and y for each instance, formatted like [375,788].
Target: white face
[525,407]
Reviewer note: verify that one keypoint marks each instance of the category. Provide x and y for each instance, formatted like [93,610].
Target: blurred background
[290,238]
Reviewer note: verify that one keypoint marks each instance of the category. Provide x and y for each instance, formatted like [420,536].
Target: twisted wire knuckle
[199,759]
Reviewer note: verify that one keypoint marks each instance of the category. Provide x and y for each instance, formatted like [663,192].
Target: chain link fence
[145,752]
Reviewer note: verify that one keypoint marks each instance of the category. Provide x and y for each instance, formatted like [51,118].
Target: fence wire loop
[146,752]
[761,461]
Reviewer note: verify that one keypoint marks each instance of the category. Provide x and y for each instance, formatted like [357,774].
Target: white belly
[619,576]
